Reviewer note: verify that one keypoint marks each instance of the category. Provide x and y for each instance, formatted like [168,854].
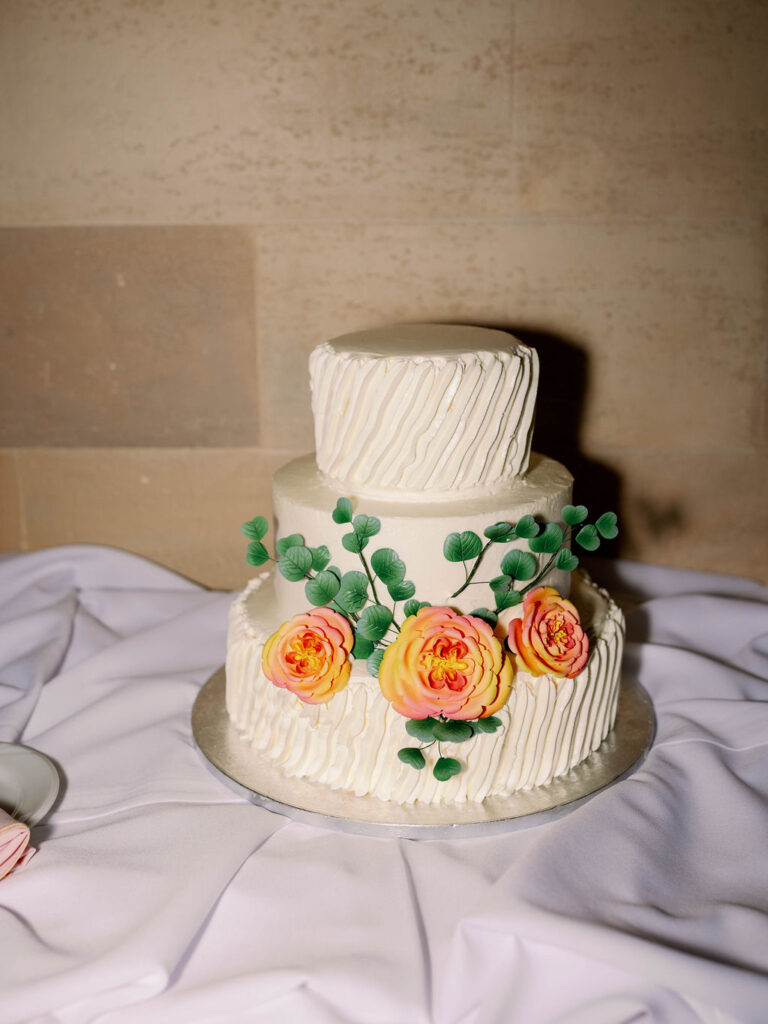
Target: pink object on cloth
[14,844]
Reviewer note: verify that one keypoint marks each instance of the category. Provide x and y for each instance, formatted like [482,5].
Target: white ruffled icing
[426,411]
[549,724]
[428,428]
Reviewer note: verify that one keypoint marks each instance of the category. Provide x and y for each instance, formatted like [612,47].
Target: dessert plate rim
[29,783]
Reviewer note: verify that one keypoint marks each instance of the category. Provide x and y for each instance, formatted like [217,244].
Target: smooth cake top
[424,341]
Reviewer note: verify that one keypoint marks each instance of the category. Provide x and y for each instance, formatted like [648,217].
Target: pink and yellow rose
[549,637]
[309,655]
[443,663]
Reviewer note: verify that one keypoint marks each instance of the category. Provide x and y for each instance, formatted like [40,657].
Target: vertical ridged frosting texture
[549,724]
[423,409]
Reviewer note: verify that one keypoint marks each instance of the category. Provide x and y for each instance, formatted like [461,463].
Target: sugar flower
[548,638]
[443,663]
[309,655]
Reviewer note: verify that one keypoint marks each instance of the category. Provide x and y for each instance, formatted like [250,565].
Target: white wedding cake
[421,636]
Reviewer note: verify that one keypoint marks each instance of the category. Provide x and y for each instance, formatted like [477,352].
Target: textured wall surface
[194,193]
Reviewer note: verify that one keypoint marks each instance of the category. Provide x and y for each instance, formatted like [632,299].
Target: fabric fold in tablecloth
[158,895]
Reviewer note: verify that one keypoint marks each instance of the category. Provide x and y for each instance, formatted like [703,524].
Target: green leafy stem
[347,593]
[520,566]
[442,730]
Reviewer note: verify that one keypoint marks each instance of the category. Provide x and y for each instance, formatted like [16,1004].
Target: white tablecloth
[158,895]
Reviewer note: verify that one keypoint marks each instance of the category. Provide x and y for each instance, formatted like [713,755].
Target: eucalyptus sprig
[295,561]
[441,730]
[353,594]
[385,564]
[293,558]
[463,547]
[520,566]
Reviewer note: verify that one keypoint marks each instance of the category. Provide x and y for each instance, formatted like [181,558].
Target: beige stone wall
[193,193]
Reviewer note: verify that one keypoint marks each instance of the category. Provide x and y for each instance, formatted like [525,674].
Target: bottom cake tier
[549,724]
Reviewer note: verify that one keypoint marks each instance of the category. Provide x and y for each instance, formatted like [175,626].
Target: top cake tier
[427,411]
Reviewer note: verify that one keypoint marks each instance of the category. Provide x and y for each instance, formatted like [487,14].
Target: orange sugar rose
[443,663]
[309,655]
[549,637]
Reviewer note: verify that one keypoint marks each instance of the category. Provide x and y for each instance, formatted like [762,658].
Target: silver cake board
[246,772]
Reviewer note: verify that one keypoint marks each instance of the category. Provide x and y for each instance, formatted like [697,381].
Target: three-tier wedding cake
[421,635]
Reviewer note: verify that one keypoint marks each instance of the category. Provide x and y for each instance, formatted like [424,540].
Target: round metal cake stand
[241,768]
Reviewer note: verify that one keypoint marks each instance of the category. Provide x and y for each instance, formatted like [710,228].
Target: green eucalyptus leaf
[256,553]
[460,547]
[500,532]
[366,526]
[388,566]
[335,570]
[353,592]
[486,615]
[421,729]
[566,560]
[574,514]
[607,525]
[489,724]
[255,528]
[374,661]
[453,732]
[588,538]
[445,768]
[402,591]
[362,648]
[412,756]
[294,540]
[343,511]
[520,565]
[548,541]
[507,599]
[411,607]
[322,589]
[501,583]
[526,527]
[374,622]
[354,543]
[321,556]
[295,563]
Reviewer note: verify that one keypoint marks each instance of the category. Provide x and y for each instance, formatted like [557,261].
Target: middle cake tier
[304,503]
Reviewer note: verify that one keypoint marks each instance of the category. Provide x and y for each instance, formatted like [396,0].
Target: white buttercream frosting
[428,428]
[549,724]
[304,501]
[423,410]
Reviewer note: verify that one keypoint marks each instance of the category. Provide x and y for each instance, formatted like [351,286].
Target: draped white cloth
[158,895]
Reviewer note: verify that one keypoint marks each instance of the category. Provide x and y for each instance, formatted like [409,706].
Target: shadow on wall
[563,391]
